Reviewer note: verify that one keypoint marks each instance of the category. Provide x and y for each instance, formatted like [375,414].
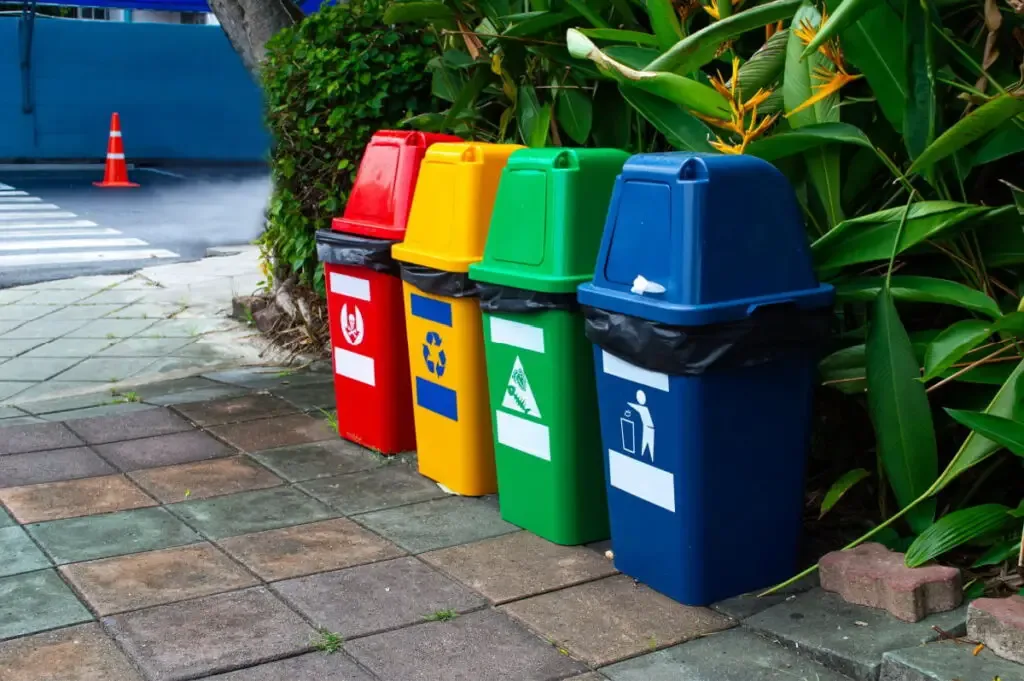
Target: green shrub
[330,82]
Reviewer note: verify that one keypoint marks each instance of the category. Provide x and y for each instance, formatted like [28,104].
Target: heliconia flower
[737,122]
[712,8]
[829,81]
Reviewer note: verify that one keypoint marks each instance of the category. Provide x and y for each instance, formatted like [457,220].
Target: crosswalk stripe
[26,259]
[46,224]
[69,243]
[12,192]
[41,233]
[29,216]
[34,206]
[18,199]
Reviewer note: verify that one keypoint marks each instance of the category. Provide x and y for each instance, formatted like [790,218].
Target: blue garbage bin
[706,319]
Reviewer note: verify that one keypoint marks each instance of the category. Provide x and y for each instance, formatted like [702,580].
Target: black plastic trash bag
[768,335]
[439,282]
[494,298]
[338,248]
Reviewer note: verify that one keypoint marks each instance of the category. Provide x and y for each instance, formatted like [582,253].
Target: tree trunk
[249,24]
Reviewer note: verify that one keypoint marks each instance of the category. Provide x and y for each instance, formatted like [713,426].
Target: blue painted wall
[182,93]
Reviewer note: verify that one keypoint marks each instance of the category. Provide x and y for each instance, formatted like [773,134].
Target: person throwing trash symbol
[647,439]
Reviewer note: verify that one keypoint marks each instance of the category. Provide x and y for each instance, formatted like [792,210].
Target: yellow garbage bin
[447,229]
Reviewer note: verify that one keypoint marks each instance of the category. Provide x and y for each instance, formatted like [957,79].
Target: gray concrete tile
[54,388]
[10,413]
[79,653]
[309,397]
[148,423]
[208,635]
[87,284]
[68,403]
[747,605]
[189,396]
[437,524]
[20,421]
[168,365]
[59,298]
[11,389]
[44,328]
[945,660]
[74,540]
[269,378]
[15,295]
[309,667]
[121,296]
[825,628]
[34,369]
[23,313]
[233,410]
[36,438]
[280,431]
[473,647]
[185,328]
[111,328]
[13,348]
[246,512]
[112,369]
[144,347]
[371,598]
[5,519]
[19,553]
[163,450]
[147,310]
[371,490]
[81,311]
[613,619]
[319,460]
[115,407]
[37,601]
[69,347]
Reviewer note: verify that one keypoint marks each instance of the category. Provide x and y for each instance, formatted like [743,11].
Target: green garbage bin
[543,241]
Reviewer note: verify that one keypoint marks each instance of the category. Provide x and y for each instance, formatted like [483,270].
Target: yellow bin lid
[451,209]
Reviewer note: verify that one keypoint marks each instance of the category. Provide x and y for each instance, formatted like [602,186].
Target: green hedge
[330,82]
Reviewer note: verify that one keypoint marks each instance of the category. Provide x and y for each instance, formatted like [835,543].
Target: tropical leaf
[620,36]
[848,12]
[956,529]
[971,127]
[870,237]
[1006,140]
[900,412]
[538,23]
[876,50]
[403,12]
[764,68]
[534,119]
[789,142]
[583,8]
[682,130]
[697,49]
[919,117]
[998,553]
[977,447]
[575,114]
[1003,431]
[665,22]
[954,343]
[919,290]
[677,89]
[841,487]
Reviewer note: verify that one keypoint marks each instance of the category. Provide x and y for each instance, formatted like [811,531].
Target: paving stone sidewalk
[99,332]
[219,529]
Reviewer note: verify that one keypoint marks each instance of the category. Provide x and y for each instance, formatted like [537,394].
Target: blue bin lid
[713,236]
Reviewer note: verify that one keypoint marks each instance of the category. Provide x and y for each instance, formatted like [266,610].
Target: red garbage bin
[364,294]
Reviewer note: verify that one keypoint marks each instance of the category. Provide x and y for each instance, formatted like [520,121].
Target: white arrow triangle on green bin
[518,395]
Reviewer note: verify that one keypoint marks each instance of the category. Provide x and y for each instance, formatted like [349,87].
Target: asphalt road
[55,224]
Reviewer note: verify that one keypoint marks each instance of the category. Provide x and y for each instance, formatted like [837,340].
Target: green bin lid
[548,217]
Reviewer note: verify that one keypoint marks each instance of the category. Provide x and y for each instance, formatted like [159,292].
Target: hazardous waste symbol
[352,324]
[518,395]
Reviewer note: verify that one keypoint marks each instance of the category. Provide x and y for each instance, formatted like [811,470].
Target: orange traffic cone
[116,172]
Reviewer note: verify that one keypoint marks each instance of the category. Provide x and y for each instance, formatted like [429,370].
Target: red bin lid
[379,203]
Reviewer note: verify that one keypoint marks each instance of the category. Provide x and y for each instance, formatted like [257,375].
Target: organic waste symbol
[436,365]
[518,394]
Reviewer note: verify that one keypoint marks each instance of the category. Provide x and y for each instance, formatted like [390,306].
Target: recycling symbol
[435,363]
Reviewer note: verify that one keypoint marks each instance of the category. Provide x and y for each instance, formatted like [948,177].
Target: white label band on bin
[517,335]
[525,436]
[614,366]
[353,287]
[642,480]
[357,367]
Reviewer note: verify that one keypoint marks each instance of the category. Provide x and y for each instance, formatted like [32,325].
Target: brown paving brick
[88,496]
[306,549]
[519,565]
[163,450]
[205,479]
[80,653]
[142,580]
[370,598]
[130,426]
[212,634]
[234,410]
[59,464]
[480,646]
[309,667]
[392,485]
[253,436]
[318,460]
[36,438]
[612,619]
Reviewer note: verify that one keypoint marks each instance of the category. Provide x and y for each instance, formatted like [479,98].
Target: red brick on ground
[874,576]
[999,624]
